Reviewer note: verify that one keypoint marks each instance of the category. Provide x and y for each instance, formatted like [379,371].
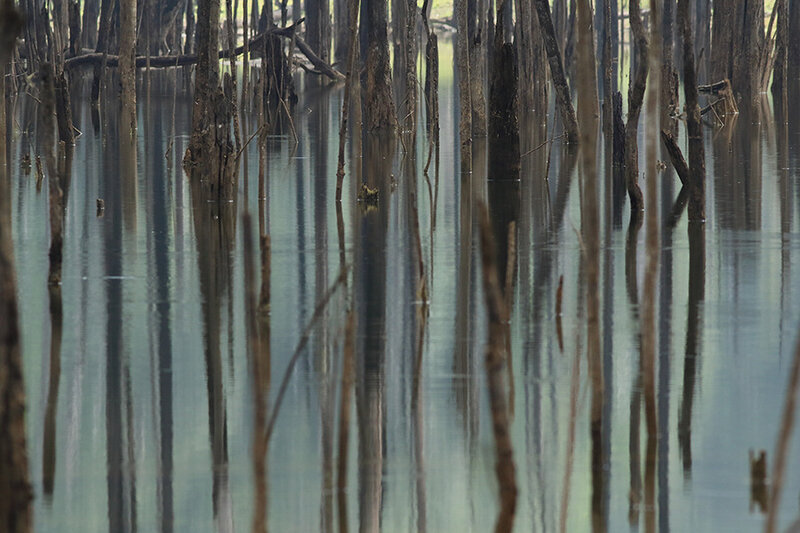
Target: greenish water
[150,397]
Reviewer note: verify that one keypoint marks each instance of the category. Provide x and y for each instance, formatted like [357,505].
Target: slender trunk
[697,169]
[635,99]
[590,228]
[127,64]
[652,244]
[103,37]
[563,99]
[779,76]
[464,90]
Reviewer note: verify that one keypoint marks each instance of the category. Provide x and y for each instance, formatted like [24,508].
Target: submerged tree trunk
[15,488]
[464,89]
[127,64]
[746,76]
[697,165]
[635,99]
[563,100]
[378,103]
[210,150]
[504,155]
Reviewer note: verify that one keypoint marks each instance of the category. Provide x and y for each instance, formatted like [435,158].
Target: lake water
[143,418]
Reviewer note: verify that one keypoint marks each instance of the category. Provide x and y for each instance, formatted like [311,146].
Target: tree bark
[504,152]
[635,100]
[722,39]
[127,64]
[464,89]
[563,100]
[103,37]
[378,103]
[210,150]
[697,165]
[15,487]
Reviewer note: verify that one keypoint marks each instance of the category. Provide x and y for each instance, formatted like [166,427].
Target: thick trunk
[747,52]
[793,56]
[15,488]
[378,103]
[504,151]
[563,99]
[722,39]
[318,27]
[210,149]
[90,12]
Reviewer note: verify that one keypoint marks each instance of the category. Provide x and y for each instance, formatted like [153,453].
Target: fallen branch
[190,59]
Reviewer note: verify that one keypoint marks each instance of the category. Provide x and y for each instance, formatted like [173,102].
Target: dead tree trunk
[103,37]
[464,90]
[779,75]
[563,100]
[127,64]
[504,155]
[15,488]
[378,103]
[793,56]
[746,76]
[669,76]
[586,79]
[722,39]
[210,150]
[318,27]
[697,165]
[635,99]
[477,43]
[89,33]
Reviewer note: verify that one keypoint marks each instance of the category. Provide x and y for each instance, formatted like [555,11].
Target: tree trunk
[563,99]
[464,90]
[635,99]
[90,12]
[793,56]
[722,39]
[746,76]
[210,150]
[103,37]
[127,64]
[779,77]
[378,103]
[15,488]
[318,27]
[504,154]
[697,168]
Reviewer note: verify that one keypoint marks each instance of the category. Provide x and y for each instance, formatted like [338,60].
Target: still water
[141,411]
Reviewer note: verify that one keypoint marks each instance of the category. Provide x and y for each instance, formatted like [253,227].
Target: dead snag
[15,488]
[639,69]
[563,99]
[697,165]
[504,152]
